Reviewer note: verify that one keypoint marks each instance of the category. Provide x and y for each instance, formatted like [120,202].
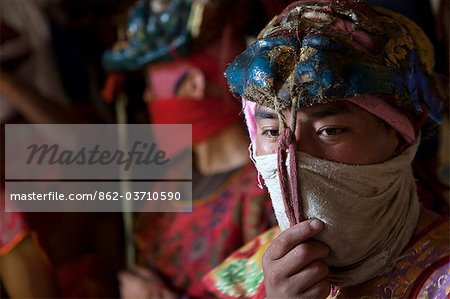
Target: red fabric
[207,116]
[209,66]
[183,247]
[163,77]
[12,231]
[289,184]
[13,228]
[261,292]
[208,108]
[113,86]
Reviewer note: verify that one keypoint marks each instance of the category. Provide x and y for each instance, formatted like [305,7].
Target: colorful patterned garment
[74,279]
[183,247]
[13,228]
[12,231]
[423,271]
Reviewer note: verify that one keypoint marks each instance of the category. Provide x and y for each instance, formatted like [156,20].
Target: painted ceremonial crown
[321,51]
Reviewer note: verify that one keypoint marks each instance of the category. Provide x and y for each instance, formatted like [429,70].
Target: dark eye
[271,133]
[330,131]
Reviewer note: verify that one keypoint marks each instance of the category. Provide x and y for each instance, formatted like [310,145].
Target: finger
[309,276]
[127,277]
[321,289]
[131,288]
[166,294]
[142,272]
[133,285]
[302,255]
[291,237]
[161,293]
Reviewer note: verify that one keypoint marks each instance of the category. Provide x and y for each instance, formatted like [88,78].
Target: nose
[306,138]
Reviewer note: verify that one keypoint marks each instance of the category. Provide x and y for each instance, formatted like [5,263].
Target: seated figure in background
[175,250]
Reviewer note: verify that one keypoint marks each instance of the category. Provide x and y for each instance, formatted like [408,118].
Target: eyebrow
[339,109]
[265,113]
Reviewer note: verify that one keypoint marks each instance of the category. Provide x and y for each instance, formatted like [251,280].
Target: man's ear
[200,82]
[193,85]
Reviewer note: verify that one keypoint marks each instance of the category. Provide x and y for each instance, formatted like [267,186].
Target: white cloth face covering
[369,211]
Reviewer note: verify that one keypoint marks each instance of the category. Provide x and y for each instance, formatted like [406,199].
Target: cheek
[363,150]
[353,154]
[387,146]
[383,145]
[263,147]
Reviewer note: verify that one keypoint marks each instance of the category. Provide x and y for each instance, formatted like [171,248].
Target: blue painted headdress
[321,51]
[152,35]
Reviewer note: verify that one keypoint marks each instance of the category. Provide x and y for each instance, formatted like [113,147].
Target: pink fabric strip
[378,107]
[289,183]
[250,119]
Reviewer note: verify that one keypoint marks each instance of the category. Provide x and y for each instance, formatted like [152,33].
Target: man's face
[339,131]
